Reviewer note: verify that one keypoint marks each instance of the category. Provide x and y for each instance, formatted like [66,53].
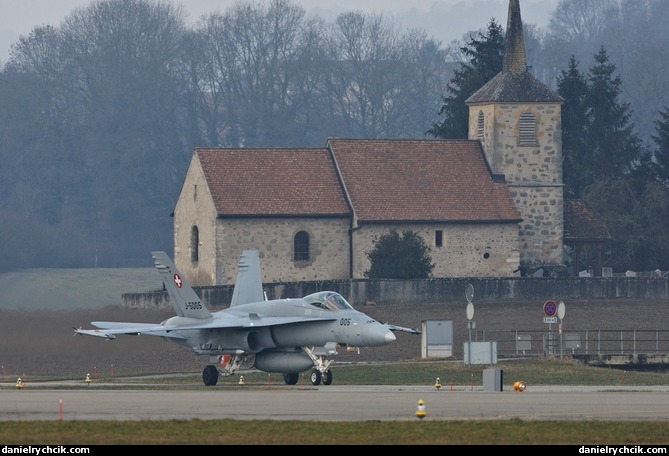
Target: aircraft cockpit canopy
[328,300]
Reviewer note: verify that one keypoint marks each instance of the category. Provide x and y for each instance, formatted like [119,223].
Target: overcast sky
[445,20]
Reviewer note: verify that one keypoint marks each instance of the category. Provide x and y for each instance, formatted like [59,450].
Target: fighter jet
[287,336]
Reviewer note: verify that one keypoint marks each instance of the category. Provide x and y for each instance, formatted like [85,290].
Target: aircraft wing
[109,329]
[249,321]
[402,328]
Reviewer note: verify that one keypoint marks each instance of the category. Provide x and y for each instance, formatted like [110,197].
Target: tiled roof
[507,87]
[421,180]
[582,224]
[291,182]
[386,179]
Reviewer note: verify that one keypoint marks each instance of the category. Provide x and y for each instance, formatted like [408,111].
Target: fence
[381,291]
[519,342]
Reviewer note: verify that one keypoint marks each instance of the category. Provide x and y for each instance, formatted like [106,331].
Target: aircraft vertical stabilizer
[248,286]
[184,299]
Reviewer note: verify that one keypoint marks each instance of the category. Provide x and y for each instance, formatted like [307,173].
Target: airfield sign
[550,308]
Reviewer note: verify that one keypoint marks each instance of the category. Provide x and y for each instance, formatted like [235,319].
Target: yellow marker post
[420,411]
[19,383]
[88,379]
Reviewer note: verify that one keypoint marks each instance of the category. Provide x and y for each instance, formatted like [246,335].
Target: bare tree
[258,74]
[638,41]
[120,63]
[424,74]
[575,28]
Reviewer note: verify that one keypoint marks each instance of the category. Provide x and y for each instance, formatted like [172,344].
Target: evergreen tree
[400,257]
[614,168]
[604,163]
[635,211]
[573,87]
[661,139]
[613,147]
[486,57]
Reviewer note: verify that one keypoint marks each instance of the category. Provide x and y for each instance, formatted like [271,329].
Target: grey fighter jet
[287,336]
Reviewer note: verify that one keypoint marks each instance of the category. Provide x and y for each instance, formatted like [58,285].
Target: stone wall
[467,250]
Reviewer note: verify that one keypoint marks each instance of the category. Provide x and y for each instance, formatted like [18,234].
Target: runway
[336,403]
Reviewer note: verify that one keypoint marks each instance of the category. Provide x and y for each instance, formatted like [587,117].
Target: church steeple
[514,43]
[514,83]
[517,119]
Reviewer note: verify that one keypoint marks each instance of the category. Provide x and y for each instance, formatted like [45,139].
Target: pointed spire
[514,43]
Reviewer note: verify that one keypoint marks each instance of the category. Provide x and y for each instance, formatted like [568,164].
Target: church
[488,206]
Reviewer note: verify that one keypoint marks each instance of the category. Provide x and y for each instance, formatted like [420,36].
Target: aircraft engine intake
[251,341]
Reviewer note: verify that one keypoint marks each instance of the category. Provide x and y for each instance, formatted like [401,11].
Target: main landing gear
[210,375]
[317,377]
[227,365]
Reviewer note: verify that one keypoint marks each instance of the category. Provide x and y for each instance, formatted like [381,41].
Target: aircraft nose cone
[389,337]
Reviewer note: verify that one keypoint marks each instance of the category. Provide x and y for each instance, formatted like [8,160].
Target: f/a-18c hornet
[287,336]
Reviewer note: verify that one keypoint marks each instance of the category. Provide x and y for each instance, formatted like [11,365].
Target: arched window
[301,246]
[527,131]
[194,244]
[479,126]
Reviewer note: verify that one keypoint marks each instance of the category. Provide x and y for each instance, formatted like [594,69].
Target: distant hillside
[70,289]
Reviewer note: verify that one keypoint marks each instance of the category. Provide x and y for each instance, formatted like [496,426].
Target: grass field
[67,289]
[271,432]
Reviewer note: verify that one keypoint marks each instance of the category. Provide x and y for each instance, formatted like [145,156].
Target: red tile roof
[583,225]
[293,182]
[421,180]
[388,180]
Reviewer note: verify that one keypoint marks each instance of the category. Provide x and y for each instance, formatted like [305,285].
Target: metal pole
[561,344]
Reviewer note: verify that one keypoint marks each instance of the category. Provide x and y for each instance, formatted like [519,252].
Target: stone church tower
[517,118]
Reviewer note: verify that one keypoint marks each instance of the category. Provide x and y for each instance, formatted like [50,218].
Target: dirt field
[34,343]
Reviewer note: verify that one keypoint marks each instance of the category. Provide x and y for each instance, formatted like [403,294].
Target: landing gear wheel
[210,375]
[327,378]
[316,378]
[290,379]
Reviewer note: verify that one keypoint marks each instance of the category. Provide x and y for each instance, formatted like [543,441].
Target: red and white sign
[550,308]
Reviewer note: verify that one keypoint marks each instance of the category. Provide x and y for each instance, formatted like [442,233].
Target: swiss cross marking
[177,280]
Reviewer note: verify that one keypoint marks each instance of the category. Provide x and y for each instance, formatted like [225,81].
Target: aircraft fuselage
[264,329]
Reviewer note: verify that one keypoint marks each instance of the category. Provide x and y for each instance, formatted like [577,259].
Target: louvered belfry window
[479,126]
[527,132]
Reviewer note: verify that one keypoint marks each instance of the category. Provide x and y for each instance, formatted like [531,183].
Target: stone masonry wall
[467,250]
